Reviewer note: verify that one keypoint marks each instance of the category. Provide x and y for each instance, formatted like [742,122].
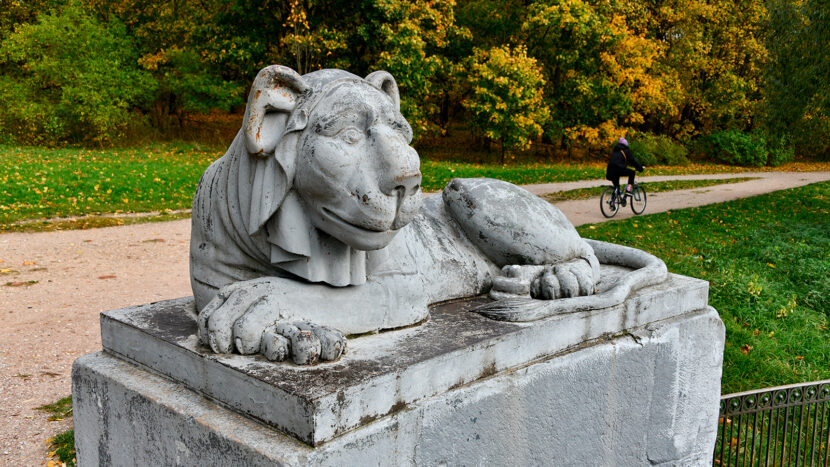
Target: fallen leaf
[29,263]
[154,240]
[20,284]
[799,358]
[7,271]
[770,265]
[745,349]
[109,276]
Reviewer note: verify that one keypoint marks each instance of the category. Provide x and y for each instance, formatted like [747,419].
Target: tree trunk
[502,151]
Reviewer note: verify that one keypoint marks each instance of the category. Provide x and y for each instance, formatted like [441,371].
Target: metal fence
[780,426]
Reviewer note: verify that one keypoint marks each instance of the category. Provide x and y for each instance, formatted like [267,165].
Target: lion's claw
[305,343]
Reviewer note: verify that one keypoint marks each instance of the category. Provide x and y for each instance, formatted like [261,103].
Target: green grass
[38,183]
[63,447]
[63,444]
[58,410]
[651,187]
[766,259]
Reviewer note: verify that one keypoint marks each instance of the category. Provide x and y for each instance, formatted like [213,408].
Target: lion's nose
[401,175]
[405,183]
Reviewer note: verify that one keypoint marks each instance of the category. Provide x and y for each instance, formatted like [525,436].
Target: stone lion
[313,226]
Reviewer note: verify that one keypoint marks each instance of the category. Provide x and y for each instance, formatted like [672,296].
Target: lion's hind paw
[573,278]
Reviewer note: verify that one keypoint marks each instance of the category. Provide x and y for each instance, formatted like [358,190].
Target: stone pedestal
[635,384]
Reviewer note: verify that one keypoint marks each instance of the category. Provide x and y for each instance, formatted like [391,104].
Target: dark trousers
[614,173]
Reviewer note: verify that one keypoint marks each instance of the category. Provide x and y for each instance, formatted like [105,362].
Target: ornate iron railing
[780,426]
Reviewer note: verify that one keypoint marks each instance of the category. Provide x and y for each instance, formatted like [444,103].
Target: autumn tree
[712,53]
[506,104]
[574,41]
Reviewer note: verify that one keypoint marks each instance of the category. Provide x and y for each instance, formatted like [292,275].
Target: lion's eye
[351,135]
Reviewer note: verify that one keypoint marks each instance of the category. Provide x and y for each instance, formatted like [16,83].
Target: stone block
[646,395]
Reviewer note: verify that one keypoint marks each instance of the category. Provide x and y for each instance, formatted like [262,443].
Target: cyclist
[621,158]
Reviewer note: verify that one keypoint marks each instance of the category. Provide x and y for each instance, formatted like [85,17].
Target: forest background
[742,82]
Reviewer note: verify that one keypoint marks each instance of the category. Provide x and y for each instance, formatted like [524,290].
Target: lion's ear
[273,96]
[386,83]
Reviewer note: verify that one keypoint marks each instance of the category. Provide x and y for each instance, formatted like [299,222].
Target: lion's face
[356,172]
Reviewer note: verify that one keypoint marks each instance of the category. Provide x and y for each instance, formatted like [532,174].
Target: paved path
[81,273]
[587,211]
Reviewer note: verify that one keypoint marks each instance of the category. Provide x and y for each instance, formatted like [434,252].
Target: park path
[80,273]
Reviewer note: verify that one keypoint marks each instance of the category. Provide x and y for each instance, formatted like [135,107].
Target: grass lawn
[41,183]
[767,259]
[38,183]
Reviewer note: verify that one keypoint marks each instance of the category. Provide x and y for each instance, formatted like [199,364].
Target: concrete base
[645,396]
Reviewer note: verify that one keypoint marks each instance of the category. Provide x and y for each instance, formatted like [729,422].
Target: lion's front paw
[245,318]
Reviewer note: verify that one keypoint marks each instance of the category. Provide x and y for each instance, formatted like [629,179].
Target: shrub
[779,152]
[736,147]
[70,77]
[658,150]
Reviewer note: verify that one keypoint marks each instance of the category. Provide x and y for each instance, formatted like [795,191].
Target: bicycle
[612,198]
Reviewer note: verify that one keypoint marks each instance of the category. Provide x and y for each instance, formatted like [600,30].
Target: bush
[70,78]
[658,150]
[736,148]
[779,152]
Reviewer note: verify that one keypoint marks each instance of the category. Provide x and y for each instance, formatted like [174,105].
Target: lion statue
[313,226]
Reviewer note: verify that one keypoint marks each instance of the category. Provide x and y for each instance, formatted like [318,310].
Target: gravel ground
[51,322]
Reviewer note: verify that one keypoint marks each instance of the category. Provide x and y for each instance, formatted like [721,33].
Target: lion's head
[343,145]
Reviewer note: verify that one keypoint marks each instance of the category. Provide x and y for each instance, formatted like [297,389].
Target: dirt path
[78,274]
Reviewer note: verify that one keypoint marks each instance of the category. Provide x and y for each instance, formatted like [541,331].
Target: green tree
[796,88]
[312,48]
[506,104]
[15,13]
[174,40]
[412,38]
[70,77]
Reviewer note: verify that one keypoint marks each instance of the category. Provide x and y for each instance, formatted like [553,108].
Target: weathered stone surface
[645,397]
[381,372]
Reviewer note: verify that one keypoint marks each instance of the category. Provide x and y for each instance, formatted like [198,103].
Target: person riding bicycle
[621,158]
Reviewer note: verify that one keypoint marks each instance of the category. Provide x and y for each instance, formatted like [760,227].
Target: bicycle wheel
[608,204]
[638,199]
